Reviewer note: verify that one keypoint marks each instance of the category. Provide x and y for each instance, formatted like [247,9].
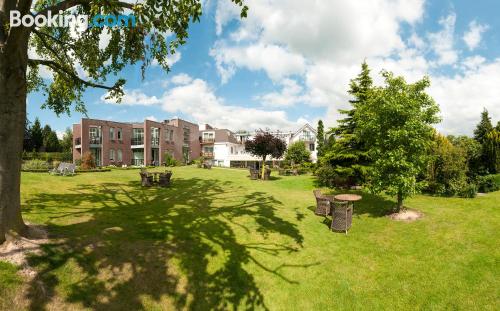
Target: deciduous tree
[265,144]
[67,140]
[397,120]
[99,52]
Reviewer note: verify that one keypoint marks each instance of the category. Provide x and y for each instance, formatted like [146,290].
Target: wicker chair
[146,179]
[322,204]
[254,174]
[164,180]
[342,216]
[267,173]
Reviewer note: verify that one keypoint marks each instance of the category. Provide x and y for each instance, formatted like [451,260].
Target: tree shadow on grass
[129,247]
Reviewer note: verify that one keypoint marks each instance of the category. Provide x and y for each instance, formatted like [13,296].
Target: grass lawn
[217,240]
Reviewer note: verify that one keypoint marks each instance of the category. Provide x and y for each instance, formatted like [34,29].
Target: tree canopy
[78,57]
[397,120]
[297,153]
[265,144]
[81,58]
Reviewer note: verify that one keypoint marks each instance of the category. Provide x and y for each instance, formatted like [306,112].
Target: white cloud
[322,30]
[198,100]
[224,14]
[291,93]
[321,43]
[151,118]
[195,98]
[133,98]
[60,134]
[473,36]
[275,60]
[463,96]
[181,79]
[442,42]
[473,62]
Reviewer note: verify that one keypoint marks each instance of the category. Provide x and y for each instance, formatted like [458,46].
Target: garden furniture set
[340,207]
[161,179]
[256,173]
[288,172]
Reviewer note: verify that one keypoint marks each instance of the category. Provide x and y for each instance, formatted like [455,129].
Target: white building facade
[227,149]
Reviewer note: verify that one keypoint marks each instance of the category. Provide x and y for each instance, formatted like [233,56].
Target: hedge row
[48,156]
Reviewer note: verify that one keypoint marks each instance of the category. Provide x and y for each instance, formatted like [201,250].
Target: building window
[311,147]
[137,136]
[171,135]
[119,155]
[155,136]
[187,135]
[111,154]
[119,134]
[112,133]
[94,135]
[167,135]
[232,151]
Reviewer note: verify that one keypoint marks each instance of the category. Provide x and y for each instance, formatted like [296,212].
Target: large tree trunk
[13,63]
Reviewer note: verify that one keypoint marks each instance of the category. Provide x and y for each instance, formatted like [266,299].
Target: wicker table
[348,197]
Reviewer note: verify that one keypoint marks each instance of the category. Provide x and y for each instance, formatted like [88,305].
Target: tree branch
[67,4]
[50,48]
[58,68]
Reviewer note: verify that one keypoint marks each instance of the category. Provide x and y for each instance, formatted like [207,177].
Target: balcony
[155,141]
[207,154]
[138,162]
[137,141]
[307,138]
[207,141]
[95,140]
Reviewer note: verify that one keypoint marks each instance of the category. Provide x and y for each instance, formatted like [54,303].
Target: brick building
[136,143]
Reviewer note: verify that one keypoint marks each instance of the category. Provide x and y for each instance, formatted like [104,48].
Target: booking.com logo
[65,20]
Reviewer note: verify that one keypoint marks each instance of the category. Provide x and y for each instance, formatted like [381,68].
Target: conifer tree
[348,156]
[320,138]
[36,135]
[483,135]
[483,128]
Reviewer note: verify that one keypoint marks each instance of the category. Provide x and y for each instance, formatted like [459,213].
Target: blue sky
[290,62]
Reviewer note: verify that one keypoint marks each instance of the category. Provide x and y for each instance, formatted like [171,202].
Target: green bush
[487,184]
[326,175]
[35,165]
[468,191]
[169,160]
[447,171]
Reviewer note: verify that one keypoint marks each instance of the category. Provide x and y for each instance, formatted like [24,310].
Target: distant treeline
[44,139]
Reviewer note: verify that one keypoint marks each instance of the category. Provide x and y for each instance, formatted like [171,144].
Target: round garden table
[348,197]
